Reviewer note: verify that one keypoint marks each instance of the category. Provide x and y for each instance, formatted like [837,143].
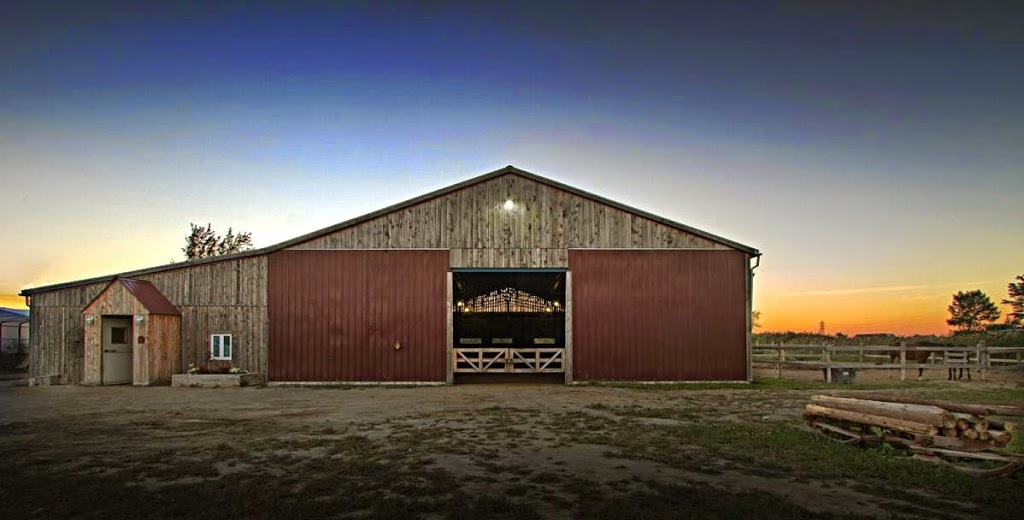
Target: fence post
[903,361]
[782,358]
[983,360]
[826,355]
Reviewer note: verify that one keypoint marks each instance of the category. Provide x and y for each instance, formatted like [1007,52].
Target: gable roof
[508,170]
[148,295]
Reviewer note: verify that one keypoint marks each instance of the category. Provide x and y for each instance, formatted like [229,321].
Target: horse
[957,358]
[915,356]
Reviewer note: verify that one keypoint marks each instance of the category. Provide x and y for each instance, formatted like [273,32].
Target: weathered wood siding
[228,297]
[58,332]
[474,225]
[162,350]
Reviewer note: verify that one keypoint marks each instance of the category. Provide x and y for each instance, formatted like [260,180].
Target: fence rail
[981,357]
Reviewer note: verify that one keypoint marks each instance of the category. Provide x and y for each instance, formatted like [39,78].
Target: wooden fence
[980,358]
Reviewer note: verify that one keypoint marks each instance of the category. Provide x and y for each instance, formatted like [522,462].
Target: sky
[873,151]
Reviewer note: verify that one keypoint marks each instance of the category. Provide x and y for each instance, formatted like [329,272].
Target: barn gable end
[545,222]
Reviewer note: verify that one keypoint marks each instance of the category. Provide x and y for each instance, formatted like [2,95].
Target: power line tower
[821,328]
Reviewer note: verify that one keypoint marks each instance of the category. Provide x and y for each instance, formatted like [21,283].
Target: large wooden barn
[507,273]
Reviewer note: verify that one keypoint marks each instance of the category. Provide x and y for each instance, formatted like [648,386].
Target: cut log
[976,409]
[932,415]
[999,437]
[882,421]
[963,425]
[984,435]
[970,433]
[949,432]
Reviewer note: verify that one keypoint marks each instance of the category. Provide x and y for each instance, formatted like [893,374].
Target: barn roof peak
[506,170]
[512,170]
[148,295]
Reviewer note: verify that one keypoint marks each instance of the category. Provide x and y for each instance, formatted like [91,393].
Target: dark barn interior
[508,322]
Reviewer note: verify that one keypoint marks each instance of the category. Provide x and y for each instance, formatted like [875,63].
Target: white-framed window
[221,347]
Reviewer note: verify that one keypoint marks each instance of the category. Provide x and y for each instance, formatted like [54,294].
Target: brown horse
[914,356]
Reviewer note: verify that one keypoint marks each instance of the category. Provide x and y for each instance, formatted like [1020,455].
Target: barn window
[220,346]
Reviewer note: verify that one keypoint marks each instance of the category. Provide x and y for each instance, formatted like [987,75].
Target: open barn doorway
[508,325]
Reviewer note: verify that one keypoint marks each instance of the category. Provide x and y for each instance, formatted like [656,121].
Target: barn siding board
[659,314]
[336,315]
[472,223]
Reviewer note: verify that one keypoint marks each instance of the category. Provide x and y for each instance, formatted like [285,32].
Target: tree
[971,311]
[202,242]
[755,320]
[1015,301]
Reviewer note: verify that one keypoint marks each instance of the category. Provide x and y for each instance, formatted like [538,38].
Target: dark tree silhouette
[971,311]
[1016,300]
[202,242]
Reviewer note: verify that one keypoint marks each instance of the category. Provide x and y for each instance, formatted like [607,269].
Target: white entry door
[117,351]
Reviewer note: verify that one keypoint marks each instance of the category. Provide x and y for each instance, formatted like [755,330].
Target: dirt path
[510,451]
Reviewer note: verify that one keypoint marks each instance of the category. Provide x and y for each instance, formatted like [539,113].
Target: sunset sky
[874,154]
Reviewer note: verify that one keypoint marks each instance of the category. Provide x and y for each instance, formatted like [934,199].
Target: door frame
[104,342]
[450,320]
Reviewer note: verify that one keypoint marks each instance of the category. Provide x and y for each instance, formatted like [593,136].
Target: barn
[508,274]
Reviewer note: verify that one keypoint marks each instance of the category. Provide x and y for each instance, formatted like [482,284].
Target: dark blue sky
[787,125]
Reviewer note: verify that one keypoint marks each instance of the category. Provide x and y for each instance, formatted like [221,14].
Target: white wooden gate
[509,360]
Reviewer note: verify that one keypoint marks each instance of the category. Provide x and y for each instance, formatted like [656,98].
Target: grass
[779,450]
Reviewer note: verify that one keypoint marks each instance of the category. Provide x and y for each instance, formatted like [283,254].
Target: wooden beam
[567,355]
[450,361]
[932,415]
[976,409]
[873,420]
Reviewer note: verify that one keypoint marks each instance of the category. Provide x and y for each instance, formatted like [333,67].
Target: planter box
[216,380]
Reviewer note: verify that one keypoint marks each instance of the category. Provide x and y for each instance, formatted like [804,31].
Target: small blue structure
[13,331]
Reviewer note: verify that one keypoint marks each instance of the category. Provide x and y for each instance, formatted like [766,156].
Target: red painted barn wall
[650,315]
[336,315]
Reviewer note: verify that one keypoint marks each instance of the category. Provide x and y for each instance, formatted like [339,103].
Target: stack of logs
[931,430]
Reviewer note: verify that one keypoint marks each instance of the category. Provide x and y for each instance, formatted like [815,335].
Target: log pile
[932,430]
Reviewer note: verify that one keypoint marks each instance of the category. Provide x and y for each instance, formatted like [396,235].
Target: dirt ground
[464,451]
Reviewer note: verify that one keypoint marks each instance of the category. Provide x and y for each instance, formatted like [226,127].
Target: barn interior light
[557,305]
[510,205]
